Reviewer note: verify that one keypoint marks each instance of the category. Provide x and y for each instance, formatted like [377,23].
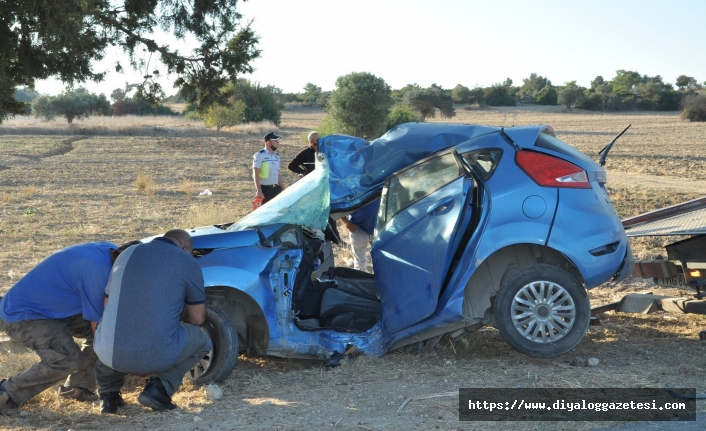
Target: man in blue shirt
[59,299]
[361,225]
[155,300]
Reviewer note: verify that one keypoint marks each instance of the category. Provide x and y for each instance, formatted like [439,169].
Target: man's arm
[296,164]
[280,181]
[195,314]
[256,178]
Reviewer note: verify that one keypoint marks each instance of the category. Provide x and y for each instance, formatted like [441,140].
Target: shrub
[261,103]
[427,100]
[546,96]
[327,127]
[145,183]
[220,116]
[401,114]
[694,108]
[498,95]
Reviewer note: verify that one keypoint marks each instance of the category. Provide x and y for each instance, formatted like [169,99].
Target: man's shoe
[155,396]
[8,407]
[77,393]
[110,401]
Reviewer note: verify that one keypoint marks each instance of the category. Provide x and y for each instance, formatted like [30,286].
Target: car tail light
[550,171]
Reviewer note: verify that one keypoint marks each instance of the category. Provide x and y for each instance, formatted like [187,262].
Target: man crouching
[152,287]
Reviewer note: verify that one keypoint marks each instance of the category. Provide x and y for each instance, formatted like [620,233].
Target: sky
[450,42]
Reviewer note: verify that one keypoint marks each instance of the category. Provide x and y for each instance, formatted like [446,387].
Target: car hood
[358,168]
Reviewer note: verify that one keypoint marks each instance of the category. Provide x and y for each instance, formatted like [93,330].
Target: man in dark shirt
[155,300]
[303,163]
[59,299]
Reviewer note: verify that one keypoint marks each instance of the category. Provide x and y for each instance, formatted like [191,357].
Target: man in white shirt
[265,166]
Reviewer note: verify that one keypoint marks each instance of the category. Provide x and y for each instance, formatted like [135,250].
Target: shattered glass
[304,203]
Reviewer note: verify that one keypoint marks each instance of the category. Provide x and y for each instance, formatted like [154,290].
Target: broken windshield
[304,203]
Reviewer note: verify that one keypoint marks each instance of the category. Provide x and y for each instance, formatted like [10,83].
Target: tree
[687,83]
[427,101]
[498,95]
[220,116]
[401,114]
[461,94]
[533,85]
[72,104]
[360,104]
[398,95]
[311,94]
[40,39]
[597,81]
[624,81]
[570,94]
[261,103]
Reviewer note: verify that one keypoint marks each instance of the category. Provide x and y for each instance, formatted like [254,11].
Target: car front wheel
[219,362]
[542,311]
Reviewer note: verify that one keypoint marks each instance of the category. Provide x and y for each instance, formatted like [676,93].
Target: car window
[414,183]
[483,162]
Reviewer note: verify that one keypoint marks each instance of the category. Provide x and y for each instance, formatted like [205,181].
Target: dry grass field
[118,180]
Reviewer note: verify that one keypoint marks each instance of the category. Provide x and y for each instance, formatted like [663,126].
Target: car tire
[542,311]
[218,363]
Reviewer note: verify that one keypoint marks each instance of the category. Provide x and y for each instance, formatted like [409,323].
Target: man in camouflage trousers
[59,299]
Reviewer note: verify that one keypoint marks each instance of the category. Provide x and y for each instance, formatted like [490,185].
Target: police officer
[265,166]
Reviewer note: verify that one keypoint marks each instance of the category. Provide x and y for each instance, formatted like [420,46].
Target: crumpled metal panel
[304,203]
[359,168]
[691,223]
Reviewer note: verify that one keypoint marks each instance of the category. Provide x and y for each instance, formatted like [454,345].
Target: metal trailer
[683,267]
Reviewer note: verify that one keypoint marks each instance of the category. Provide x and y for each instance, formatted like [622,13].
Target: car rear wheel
[219,362]
[542,311]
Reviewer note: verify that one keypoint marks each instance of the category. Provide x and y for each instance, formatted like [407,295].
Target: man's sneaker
[110,401]
[77,393]
[155,396]
[8,407]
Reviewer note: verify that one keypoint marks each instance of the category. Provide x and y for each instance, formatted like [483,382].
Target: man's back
[148,287]
[67,283]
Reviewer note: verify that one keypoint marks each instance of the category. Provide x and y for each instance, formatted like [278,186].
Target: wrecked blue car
[477,226]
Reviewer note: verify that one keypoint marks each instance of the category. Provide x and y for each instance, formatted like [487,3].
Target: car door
[418,220]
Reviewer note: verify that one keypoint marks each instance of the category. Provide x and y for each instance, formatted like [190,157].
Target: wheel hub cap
[543,312]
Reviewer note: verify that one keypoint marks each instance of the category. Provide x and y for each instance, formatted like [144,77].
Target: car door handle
[441,206]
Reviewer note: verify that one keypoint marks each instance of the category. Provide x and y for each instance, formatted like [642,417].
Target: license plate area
[676,280]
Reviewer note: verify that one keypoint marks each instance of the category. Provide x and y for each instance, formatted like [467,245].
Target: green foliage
[360,104]
[401,114]
[426,101]
[533,85]
[327,127]
[694,108]
[323,99]
[261,103]
[655,95]
[570,94]
[597,82]
[72,104]
[311,94]
[41,39]
[220,116]
[461,94]
[687,83]
[624,81]
[498,95]
[26,95]
[398,95]
[546,96]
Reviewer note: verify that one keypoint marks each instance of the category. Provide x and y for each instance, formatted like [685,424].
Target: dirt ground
[58,190]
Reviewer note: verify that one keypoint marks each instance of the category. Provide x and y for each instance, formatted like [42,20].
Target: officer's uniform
[268,164]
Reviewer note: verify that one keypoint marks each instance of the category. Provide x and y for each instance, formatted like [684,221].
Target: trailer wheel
[542,311]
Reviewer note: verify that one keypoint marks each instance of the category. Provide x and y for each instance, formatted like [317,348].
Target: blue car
[477,226]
